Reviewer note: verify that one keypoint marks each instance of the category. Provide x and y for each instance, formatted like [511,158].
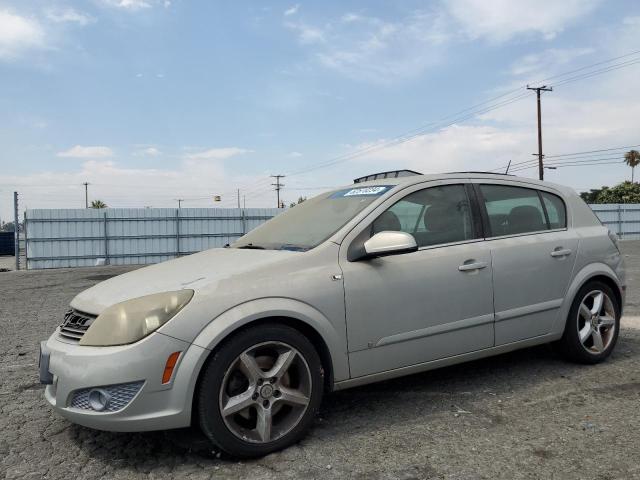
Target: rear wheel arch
[612,284]
[584,278]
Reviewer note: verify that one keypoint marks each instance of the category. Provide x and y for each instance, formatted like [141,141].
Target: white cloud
[307,34]
[149,151]
[447,150]
[131,5]
[121,186]
[500,20]
[19,34]
[292,11]
[80,151]
[376,50]
[69,15]
[294,155]
[216,153]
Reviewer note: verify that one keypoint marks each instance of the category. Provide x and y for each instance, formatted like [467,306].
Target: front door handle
[465,267]
[561,252]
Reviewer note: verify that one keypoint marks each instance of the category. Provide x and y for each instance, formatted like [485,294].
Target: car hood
[194,271]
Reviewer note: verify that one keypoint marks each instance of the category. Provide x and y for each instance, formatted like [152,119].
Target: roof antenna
[507,170]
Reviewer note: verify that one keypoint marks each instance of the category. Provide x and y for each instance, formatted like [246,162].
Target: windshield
[310,223]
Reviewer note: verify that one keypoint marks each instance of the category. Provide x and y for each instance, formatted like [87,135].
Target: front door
[436,302]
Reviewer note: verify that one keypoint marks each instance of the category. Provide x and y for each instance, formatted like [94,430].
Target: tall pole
[238,199]
[180,200]
[86,194]
[16,230]
[543,88]
[278,186]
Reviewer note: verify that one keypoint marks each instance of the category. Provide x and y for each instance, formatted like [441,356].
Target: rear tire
[260,391]
[592,327]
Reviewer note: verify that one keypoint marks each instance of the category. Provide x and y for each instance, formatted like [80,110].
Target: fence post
[178,233]
[620,221]
[26,239]
[106,241]
[16,230]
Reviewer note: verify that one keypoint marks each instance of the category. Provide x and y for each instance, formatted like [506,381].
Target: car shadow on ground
[455,390]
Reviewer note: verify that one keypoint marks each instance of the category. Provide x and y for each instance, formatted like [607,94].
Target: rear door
[532,254]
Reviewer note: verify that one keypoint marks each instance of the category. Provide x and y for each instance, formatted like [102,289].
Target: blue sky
[152,100]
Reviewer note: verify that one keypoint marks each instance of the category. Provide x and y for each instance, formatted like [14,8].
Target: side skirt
[445,362]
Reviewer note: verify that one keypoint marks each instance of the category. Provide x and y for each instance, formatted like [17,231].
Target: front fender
[587,272]
[231,320]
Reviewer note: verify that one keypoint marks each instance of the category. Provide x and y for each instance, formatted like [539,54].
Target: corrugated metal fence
[621,218]
[123,236]
[118,236]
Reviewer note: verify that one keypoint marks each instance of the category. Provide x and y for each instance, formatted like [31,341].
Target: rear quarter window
[556,210]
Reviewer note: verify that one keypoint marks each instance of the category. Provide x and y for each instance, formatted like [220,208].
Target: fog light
[99,399]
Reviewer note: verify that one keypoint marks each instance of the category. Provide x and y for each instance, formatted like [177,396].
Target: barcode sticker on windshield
[366,191]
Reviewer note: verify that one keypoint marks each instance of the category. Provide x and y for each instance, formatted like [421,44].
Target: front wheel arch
[304,328]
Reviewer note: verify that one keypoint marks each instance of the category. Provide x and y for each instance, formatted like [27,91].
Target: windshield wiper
[251,246]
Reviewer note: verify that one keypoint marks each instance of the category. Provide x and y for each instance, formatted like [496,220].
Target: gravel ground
[526,414]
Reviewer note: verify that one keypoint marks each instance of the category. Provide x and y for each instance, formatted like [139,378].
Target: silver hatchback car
[382,278]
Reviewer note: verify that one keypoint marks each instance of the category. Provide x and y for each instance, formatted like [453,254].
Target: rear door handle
[561,252]
[465,267]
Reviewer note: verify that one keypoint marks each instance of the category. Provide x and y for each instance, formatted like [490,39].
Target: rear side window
[556,211]
[513,210]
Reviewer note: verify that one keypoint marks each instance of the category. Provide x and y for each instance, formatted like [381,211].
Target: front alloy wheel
[260,391]
[266,392]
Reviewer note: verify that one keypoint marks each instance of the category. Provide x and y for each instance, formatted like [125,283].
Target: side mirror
[390,243]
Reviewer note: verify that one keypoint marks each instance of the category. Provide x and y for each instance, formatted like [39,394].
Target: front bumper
[154,406]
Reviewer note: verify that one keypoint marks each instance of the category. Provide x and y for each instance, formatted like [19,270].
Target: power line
[410,135]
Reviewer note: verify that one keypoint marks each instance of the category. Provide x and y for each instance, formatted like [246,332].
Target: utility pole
[238,199]
[16,230]
[86,194]
[278,186]
[180,200]
[543,88]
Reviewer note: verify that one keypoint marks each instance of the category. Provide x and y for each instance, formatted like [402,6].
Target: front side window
[513,210]
[433,216]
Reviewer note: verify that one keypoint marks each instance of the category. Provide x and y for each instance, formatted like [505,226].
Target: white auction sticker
[365,191]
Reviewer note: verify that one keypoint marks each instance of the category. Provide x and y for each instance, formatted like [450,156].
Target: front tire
[593,324]
[260,391]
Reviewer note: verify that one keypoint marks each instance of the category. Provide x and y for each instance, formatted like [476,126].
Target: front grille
[119,396]
[75,324]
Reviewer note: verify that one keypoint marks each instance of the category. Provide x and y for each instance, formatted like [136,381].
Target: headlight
[132,320]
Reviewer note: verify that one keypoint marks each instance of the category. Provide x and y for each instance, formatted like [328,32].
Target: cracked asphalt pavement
[526,414]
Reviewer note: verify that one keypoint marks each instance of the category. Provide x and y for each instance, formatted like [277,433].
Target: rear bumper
[153,406]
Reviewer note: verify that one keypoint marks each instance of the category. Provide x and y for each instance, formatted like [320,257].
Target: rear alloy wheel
[593,324]
[260,391]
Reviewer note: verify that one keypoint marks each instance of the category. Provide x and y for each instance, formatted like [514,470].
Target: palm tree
[632,158]
[98,204]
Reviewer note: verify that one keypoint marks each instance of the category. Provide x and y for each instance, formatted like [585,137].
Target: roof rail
[389,174]
[485,173]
